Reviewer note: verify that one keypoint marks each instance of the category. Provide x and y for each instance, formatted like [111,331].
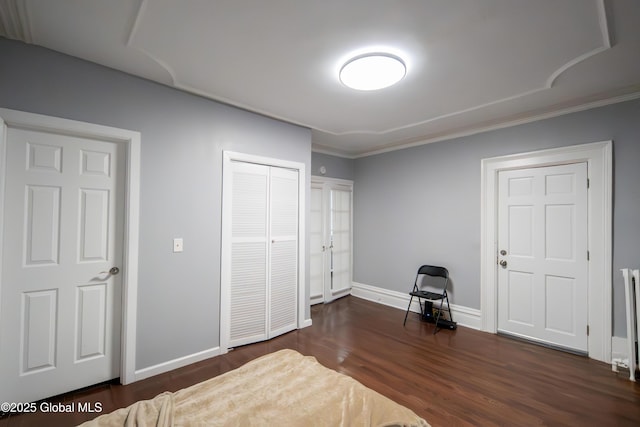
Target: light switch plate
[178,245]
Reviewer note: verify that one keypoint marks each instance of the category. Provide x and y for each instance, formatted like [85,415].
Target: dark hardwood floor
[455,378]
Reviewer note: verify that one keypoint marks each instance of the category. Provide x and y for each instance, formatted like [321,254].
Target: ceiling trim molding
[14,20]
[606,44]
[318,148]
[323,149]
[130,44]
[603,18]
[136,23]
[547,84]
[552,78]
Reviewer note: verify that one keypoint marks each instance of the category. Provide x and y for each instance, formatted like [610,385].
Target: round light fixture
[372,71]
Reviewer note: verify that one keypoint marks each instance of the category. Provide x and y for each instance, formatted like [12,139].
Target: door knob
[114,270]
[503,263]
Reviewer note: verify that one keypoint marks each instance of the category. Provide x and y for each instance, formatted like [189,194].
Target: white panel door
[542,255]
[60,308]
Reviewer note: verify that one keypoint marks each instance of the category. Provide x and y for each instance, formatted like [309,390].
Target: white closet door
[248,287]
[263,289]
[330,238]
[283,264]
[317,245]
[340,241]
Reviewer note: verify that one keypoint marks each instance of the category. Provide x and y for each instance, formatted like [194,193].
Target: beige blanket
[283,388]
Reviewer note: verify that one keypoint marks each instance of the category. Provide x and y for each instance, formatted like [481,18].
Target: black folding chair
[431,292]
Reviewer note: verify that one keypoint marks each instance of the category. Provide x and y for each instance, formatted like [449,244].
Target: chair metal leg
[407,313]
[438,316]
[440,313]
[449,307]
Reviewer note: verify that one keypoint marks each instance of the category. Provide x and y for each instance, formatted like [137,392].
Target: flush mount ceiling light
[372,71]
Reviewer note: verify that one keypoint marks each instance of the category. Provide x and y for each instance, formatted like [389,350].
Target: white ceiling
[472,65]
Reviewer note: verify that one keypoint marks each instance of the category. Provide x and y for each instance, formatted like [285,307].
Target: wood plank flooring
[455,378]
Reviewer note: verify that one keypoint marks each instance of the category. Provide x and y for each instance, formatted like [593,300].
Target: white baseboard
[464,316]
[620,355]
[619,348]
[170,365]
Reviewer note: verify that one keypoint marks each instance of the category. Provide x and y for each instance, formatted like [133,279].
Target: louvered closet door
[284,251]
[263,293]
[248,287]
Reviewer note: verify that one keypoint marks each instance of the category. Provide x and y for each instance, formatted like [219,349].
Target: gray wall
[336,167]
[181,180]
[422,204]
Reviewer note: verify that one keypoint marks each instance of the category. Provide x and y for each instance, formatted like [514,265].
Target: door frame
[598,156]
[225,273]
[131,142]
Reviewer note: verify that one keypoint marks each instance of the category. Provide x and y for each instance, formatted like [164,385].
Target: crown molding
[318,148]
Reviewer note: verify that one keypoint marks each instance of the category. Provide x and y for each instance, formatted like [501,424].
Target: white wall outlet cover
[178,245]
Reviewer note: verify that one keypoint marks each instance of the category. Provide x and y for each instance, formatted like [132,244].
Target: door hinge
[587,330]
[588,256]
[588,182]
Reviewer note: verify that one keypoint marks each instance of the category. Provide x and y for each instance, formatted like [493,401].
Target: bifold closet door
[264,252]
[283,265]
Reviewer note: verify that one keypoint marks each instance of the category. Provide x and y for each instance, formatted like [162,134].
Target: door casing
[131,141]
[598,156]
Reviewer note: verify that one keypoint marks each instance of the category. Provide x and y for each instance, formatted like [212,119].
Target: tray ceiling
[472,65]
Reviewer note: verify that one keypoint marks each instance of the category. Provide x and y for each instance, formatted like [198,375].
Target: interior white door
[340,243]
[542,255]
[316,245]
[331,238]
[264,280]
[60,307]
